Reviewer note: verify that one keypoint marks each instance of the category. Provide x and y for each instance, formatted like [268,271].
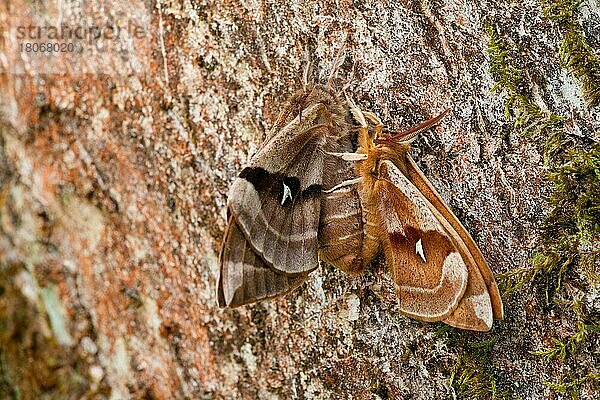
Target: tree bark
[114,171]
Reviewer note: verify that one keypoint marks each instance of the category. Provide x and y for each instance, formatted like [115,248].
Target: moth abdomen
[345,240]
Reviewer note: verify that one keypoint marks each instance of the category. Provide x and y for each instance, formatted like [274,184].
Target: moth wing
[244,277]
[430,274]
[276,199]
[418,179]
[475,310]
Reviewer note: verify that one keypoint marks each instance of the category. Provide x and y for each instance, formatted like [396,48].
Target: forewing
[429,272]
[418,179]
[244,277]
[276,199]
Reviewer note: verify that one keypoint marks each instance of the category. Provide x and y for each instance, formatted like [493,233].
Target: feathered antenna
[337,62]
[351,78]
[307,74]
[410,134]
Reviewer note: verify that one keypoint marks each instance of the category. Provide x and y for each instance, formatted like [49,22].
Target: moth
[323,187]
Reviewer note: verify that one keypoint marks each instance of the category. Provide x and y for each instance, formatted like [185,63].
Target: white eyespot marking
[287,193]
[419,250]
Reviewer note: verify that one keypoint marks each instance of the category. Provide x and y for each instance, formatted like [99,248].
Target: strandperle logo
[89,34]
[57,40]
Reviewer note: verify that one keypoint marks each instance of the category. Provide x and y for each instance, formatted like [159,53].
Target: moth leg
[350,156]
[344,184]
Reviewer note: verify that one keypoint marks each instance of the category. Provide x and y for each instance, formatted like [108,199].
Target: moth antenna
[358,115]
[337,63]
[410,134]
[351,78]
[349,182]
[308,69]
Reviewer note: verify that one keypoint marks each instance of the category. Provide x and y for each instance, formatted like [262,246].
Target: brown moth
[308,195]
[440,273]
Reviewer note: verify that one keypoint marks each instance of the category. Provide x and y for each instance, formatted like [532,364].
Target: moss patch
[573,385]
[568,247]
[572,228]
[586,328]
[528,118]
[472,377]
[575,53]
[574,174]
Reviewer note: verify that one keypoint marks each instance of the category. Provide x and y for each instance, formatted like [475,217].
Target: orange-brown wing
[430,275]
[424,186]
[244,277]
[436,277]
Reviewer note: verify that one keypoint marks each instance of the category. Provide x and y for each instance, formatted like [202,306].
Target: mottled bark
[113,184]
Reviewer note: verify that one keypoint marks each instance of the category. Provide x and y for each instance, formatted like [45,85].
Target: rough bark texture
[113,187]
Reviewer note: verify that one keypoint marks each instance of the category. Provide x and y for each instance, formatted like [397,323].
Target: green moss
[561,11]
[507,77]
[574,175]
[574,220]
[380,390]
[570,233]
[572,226]
[411,346]
[573,386]
[472,377]
[581,61]
[565,348]
[576,54]
[529,118]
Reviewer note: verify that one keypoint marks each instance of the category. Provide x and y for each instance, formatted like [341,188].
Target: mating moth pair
[322,186]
